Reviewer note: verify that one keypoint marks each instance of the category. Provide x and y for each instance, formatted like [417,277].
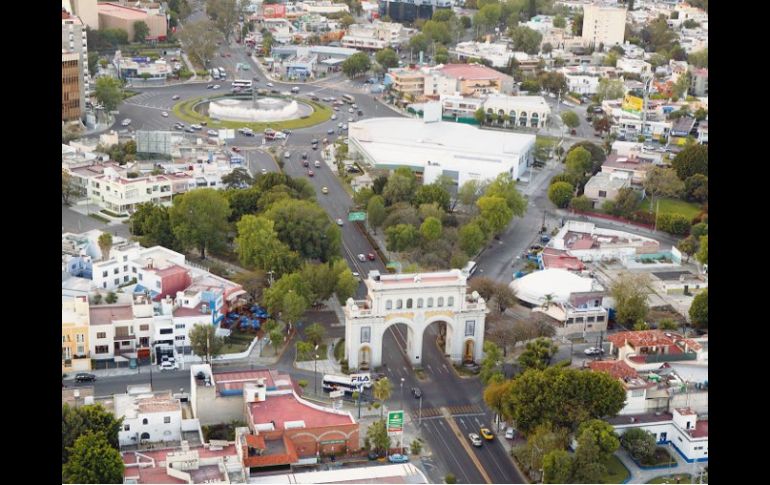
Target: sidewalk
[640,475]
[325,366]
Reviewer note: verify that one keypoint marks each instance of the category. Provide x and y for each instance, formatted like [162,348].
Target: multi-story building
[375,36]
[634,66]
[148,418]
[73,39]
[323,7]
[87,11]
[699,84]
[121,194]
[604,25]
[523,111]
[498,54]
[115,16]
[411,10]
[75,352]
[72,101]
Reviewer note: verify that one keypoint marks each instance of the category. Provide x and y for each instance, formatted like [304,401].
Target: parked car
[486,433]
[509,433]
[329,131]
[304,156]
[126,122]
[216,86]
[340,222]
[317,164]
[213,133]
[84,377]
[325,190]
[310,173]
[236,149]
[270,85]
[416,392]
[475,440]
[305,163]
[398,458]
[334,116]
[593,351]
[286,154]
[167,365]
[264,171]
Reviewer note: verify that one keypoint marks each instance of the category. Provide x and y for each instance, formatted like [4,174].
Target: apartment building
[121,194]
[148,418]
[75,351]
[74,39]
[375,36]
[604,25]
[72,101]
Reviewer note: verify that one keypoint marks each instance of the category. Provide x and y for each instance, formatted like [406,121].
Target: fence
[613,218]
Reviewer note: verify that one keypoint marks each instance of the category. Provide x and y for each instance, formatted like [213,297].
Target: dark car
[573,132]
[305,163]
[304,156]
[330,131]
[84,377]
[416,392]
[360,113]
[371,256]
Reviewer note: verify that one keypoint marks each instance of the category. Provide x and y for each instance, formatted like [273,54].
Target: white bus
[343,383]
[348,98]
[241,83]
[469,269]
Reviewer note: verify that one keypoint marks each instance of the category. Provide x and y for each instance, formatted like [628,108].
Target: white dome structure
[559,283]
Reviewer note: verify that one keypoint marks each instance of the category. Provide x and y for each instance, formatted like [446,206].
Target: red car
[370,256]
[236,149]
[310,173]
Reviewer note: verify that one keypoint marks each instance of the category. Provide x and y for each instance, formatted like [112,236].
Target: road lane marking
[461,469]
[459,435]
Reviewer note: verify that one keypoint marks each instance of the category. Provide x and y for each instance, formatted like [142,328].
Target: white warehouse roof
[559,283]
[441,146]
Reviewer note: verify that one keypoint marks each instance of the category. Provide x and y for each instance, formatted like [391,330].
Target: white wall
[156,426]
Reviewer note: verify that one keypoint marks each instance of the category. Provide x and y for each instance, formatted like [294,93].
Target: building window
[409,303]
[179,337]
[600,318]
[116,271]
[589,319]
[81,350]
[430,302]
[101,334]
[117,281]
[79,338]
[166,419]
[144,327]
[125,258]
[140,276]
[166,331]
[157,284]
[399,304]
[144,421]
[125,268]
[602,193]
[388,305]
[179,326]
[366,334]
[450,301]
[125,279]
[419,303]
[126,427]
[440,301]
[105,273]
[102,349]
[470,328]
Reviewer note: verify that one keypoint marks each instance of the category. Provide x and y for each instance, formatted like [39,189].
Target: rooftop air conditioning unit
[204,308]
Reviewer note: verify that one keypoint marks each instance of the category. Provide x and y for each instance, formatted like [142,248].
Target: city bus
[241,83]
[348,98]
[342,383]
[469,269]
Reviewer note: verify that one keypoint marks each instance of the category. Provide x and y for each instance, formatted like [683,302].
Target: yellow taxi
[486,433]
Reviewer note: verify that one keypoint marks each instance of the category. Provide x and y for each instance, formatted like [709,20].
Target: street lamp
[402,393]
[315,372]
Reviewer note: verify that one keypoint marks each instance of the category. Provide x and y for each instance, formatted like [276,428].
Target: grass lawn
[673,206]
[238,342]
[683,478]
[185,111]
[321,355]
[616,471]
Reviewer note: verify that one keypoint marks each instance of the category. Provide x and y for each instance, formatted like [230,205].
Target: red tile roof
[471,71]
[652,338]
[701,429]
[288,457]
[616,368]
[554,258]
[157,473]
[287,407]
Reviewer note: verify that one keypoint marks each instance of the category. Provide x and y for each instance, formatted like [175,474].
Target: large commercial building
[114,16]
[87,11]
[411,10]
[72,103]
[604,25]
[73,39]
[435,148]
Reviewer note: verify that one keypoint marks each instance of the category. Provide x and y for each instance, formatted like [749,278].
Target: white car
[270,85]
[593,351]
[286,154]
[340,222]
[167,365]
[126,122]
[362,257]
[216,86]
[355,274]
[334,116]
[316,164]
[475,439]
[164,114]
[509,433]
[351,110]
[196,127]
[344,127]
[213,133]
[280,135]
[264,171]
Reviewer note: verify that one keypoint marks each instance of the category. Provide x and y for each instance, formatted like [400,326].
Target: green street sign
[395,421]
[357,216]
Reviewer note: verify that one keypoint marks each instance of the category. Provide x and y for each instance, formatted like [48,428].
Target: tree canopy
[694,159]
[94,418]
[258,246]
[630,293]
[93,460]
[199,219]
[356,65]
[306,228]
[204,341]
[109,92]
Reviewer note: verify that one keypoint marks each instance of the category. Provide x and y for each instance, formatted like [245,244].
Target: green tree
[560,193]
[68,187]
[347,284]
[626,202]
[597,153]
[199,219]
[562,396]
[416,447]
[588,467]
[581,204]
[578,162]
[543,440]
[431,229]
[602,434]
[378,436]
[253,282]
[204,341]
[320,279]
[688,246]
[105,244]
[471,238]
[93,460]
[503,297]
[109,92]
[525,39]
[293,307]
[111,297]
[315,333]
[577,24]
[450,477]
[91,418]
[504,186]
[238,178]
[667,324]
[382,390]
[538,354]
[480,116]
[225,14]
[376,212]
[304,350]
[152,223]
[430,193]
[609,89]
[306,228]
[387,58]
[694,159]
[570,119]
[470,192]
[557,467]
[490,365]
[141,31]
[276,339]
[356,65]
[630,292]
[401,237]
[242,202]
[673,223]
[419,43]
[401,186]
[495,213]
[442,55]
[639,443]
[699,309]
[559,22]
[699,59]
[437,32]
[703,252]
[200,40]
[658,35]
[662,182]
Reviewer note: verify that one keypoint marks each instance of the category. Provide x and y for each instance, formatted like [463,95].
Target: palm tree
[382,391]
[547,301]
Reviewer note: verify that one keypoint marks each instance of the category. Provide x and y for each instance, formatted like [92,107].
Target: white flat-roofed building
[633,66]
[498,54]
[323,7]
[400,473]
[376,35]
[460,151]
[604,25]
[525,111]
[148,418]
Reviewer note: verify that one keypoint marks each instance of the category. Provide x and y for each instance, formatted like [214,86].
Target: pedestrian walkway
[323,366]
[455,411]
[641,475]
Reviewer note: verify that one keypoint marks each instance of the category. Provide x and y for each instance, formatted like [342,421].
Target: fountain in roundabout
[257,109]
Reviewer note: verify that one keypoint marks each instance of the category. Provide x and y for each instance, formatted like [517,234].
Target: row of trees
[90,445]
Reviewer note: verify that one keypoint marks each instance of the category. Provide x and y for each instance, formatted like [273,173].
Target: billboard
[395,421]
[632,103]
[275,11]
[361,379]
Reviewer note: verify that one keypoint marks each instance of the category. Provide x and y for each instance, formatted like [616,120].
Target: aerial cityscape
[384,241]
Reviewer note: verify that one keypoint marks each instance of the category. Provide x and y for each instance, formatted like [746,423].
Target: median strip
[464,443]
